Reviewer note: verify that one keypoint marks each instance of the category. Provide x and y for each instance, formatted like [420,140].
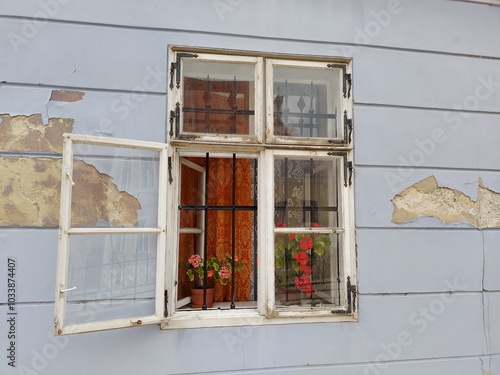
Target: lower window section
[111,277]
[217,244]
[308,270]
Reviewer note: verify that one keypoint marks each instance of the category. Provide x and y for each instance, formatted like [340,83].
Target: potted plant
[217,270]
[295,256]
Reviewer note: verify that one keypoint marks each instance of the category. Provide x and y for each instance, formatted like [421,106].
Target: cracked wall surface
[426,198]
[29,134]
[30,186]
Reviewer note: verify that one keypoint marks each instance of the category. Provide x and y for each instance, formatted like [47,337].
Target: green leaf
[319,248]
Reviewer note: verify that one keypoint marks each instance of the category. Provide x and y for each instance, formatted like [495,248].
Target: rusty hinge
[175,66]
[352,292]
[347,79]
[174,116]
[348,126]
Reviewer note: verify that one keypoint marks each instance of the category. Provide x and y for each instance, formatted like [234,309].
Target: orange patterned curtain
[219,224]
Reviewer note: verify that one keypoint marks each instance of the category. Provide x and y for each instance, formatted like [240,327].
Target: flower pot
[197,297]
[294,296]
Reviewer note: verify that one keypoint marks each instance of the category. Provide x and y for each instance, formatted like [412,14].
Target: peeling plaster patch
[31,192]
[426,198]
[28,133]
[66,96]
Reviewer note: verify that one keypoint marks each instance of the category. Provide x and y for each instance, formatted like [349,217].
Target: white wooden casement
[66,231]
[176,94]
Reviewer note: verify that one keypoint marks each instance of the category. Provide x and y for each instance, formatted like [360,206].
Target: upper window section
[258,99]
[216,97]
[307,102]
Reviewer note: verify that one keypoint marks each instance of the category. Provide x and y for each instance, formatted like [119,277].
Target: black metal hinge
[352,292]
[348,126]
[170,179]
[175,116]
[165,310]
[347,79]
[348,169]
[175,66]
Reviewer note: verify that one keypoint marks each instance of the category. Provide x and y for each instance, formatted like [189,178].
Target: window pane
[307,102]
[216,227]
[114,277]
[218,98]
[306,192]
[308,269]
[114,187]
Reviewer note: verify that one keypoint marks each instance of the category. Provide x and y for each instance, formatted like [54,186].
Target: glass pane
[114,277]
[308,269]
[207,230]
[307,102]
[218,98]
[114,187]
[306,192]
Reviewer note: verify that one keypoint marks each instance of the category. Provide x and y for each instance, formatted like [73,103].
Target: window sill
[245,317]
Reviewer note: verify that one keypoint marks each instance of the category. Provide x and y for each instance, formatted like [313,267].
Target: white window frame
[254,145]
[65,231]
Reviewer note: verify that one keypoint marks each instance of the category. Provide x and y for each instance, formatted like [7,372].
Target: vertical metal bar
[337,224]
[235,105]
[207,105]
[233,230]
[286,109]
[311,189]
[311,112]
[205,234]
[285,219]
[254,185]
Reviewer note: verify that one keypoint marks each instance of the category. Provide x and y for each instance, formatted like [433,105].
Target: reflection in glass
[114,187]
[113,278]
[218,98]
[306,103]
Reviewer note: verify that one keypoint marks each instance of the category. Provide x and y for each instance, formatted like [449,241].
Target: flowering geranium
[216,269]
[295,256]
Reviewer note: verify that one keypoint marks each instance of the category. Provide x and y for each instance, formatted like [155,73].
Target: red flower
[306,243]
[291,236]
[304,283]
[315,225]
[306,269]
[279,224]
[302,258]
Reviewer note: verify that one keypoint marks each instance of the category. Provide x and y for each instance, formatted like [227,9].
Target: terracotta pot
[294,296]
[197,297]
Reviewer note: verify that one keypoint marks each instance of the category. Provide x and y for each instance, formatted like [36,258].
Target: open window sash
[112,234]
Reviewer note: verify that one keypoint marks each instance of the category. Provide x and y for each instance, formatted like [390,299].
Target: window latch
[175,67]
